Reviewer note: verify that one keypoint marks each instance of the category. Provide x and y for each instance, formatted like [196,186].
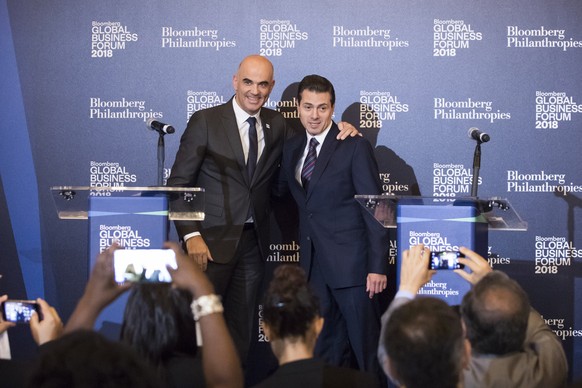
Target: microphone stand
[161,157]
[476,168]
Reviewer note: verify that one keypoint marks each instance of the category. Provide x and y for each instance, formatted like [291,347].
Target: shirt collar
[241,115]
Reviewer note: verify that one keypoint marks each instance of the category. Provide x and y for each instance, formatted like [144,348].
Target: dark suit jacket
[349,242]
[211,156]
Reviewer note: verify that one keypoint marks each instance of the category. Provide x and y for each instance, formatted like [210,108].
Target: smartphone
[143,265]
[445,260]
[19,311]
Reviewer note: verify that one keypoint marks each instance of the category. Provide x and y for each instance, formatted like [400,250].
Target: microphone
[161,128]
[476,134]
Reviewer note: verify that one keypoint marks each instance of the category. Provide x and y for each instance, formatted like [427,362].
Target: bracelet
[205,305]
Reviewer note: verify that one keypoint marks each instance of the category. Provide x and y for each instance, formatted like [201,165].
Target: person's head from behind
[158,322]
[86,359]
[316,102]
[425,346]
[291,310]
[495,313]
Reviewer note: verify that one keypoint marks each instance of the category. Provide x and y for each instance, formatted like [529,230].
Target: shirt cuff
[190,235]
[404,294]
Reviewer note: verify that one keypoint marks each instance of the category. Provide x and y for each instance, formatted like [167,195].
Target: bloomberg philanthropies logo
[284,252]
[366,37]
[194,38]
[539,182]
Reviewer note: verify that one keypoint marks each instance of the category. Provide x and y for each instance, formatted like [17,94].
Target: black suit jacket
[349,242]
[211,156]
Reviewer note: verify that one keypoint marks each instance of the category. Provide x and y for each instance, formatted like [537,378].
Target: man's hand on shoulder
[346,129]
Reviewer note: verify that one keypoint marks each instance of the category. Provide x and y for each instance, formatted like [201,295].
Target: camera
[445,260]
[19,311]
[143,265]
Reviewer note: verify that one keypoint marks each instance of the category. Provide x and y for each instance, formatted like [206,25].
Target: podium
[135,217]
[443,224]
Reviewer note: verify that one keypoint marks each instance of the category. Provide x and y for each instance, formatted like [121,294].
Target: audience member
[14,373]
[512,345]
[158,324]
[86,359]
[220,363]
[292,322]
[422,341]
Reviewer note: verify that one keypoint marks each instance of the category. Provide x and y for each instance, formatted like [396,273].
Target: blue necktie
[253,147]
[309,163]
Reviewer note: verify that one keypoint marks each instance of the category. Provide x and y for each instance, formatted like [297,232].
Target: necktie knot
[313,143]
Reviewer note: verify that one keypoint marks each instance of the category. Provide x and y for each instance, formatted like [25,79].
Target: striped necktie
[309,163]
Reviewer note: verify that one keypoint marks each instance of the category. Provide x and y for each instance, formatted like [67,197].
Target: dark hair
[318,84]
[290,306]
[158,322]
[496,313]
[86,359]
[424,342]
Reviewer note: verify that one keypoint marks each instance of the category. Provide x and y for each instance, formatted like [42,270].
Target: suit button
[308,238]
[310,215]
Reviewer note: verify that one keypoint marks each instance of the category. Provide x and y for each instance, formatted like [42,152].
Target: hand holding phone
[19,311]
[445,260]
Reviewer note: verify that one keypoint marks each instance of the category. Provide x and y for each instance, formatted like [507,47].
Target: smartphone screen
[445,260]
[143,265]
[19,311]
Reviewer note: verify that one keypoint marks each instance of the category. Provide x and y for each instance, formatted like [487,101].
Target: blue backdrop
[80,78]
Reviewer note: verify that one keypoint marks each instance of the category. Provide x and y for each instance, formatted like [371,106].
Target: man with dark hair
[422,343]
[343,249]
[512,345]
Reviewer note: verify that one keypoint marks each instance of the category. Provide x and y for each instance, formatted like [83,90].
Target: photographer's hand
[478,265]
[51,326]
[100,291]
[4,325]
[414,272]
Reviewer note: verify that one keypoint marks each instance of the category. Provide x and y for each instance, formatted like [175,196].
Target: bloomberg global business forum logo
[201,99]
[109,174]
[553,108]
[451,36]
[109,37]
[276,36]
